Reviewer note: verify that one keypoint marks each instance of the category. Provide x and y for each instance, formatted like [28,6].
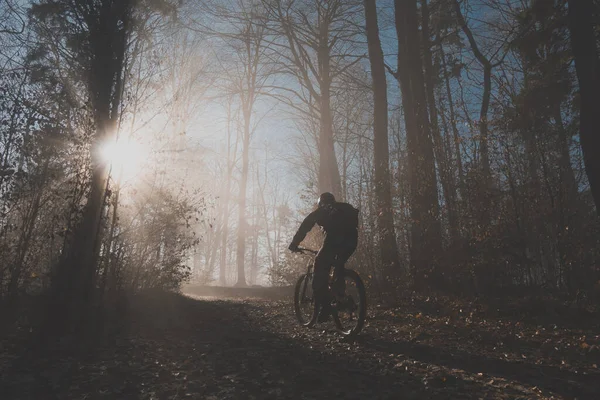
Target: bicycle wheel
[349,315]
[304,302]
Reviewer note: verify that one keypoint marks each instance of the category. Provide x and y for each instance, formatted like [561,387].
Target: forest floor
[171,346]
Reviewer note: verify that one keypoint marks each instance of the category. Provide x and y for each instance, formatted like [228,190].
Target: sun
[126,158]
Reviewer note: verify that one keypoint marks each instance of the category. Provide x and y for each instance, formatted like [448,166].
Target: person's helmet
[325,199]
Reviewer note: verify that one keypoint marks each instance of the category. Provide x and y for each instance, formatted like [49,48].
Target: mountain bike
[348,315]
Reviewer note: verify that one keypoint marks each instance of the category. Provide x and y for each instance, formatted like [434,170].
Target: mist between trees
[149,143]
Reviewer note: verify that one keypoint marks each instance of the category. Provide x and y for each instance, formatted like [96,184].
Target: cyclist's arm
[306,226]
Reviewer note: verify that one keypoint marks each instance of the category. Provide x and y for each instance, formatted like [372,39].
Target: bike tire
[302,286]
[361,310]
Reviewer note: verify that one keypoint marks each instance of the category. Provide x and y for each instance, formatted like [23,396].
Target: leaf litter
[176,347]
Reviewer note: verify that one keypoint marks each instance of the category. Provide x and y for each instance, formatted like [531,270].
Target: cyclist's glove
[294,248]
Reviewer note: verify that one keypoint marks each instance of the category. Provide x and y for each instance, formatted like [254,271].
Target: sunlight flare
[126,158]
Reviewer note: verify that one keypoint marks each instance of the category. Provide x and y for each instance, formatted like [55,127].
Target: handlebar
[310,251]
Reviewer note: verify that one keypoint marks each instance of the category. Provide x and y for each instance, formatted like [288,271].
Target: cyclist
[339,221]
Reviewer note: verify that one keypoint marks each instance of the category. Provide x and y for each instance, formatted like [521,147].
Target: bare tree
[488,63]
[441,151]
[246,74]
[316,49]
[383,194]
[425,225]
[107,26]
[11,21]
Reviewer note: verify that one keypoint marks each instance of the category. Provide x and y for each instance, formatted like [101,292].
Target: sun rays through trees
[149,143]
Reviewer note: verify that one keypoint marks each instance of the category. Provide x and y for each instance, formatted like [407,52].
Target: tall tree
[239,25]
[94,40]
[316,36]
[488,62]
[230,163]
[441,152]
[383,193]
[103,30]
[487,90]
[425,225]
[248,84]
[583,40]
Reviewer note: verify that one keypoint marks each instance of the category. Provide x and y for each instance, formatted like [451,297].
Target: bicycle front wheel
[304,301]
[349,315]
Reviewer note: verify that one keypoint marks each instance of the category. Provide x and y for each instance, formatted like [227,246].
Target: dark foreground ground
[175,347]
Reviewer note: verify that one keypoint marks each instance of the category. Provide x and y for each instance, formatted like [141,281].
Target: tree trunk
[108,34]
[484,202]
[110,244]
[261,190]
[483,125]
[254,250]
[455,133]
[241,233]
[223,250]
[225,200]
[425,228]
[567,175]
[303,40]
[329,173]
[446,178]
[587,65]
[383,194]
[16,268]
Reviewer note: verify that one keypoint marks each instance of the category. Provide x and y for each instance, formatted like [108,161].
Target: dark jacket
[337,219]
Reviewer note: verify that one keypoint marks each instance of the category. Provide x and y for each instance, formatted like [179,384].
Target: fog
[172,141]
[184,134]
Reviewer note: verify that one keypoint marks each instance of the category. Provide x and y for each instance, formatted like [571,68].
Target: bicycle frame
[356,312]
[311,252]
[309,270]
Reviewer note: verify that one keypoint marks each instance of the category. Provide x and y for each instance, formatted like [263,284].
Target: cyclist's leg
[323,262]
[344,252]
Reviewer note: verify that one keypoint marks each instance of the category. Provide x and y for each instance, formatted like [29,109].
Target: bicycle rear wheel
[349,316]
[304,301]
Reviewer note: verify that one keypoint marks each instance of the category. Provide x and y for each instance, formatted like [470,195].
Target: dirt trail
[176,347]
